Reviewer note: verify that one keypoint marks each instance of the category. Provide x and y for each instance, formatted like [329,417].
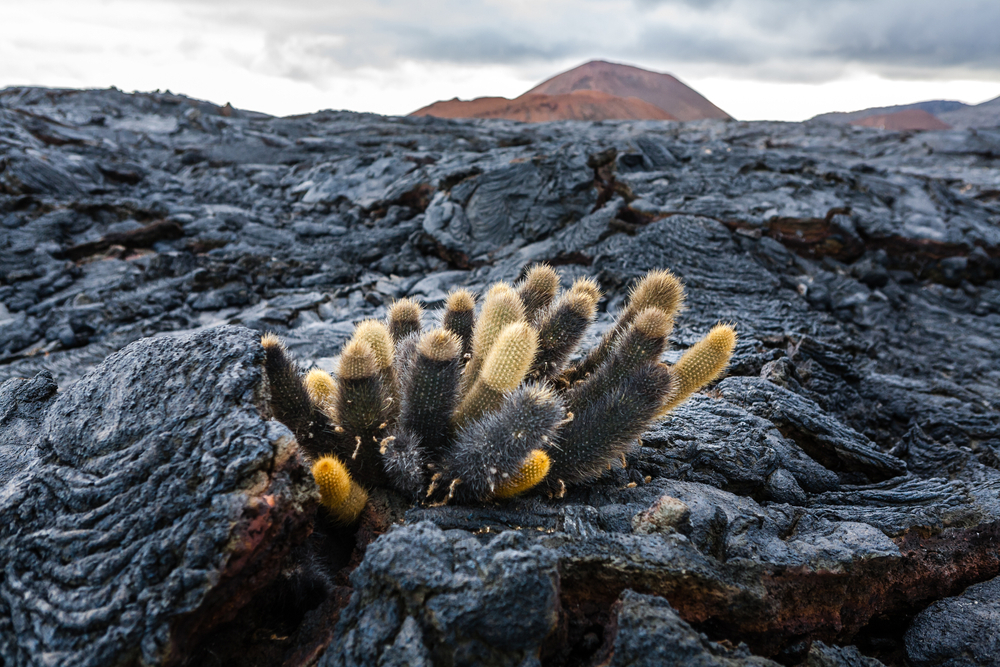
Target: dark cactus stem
[642,343]
[658,289]
[404,319]
[405,462]
[603,429]
[537,290]
[290,402]
[430,390]
[459,318]
[362,412]
[490,451]
[559,333]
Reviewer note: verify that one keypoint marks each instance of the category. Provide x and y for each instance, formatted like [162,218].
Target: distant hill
[529,108]
[596,90]
[662,90]
[986,114]
[956,114]
[935,107]
[908,119]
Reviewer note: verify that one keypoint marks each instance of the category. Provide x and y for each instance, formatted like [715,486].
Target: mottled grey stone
[961,631]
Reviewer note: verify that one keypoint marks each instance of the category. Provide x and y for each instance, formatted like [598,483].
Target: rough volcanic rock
[144,505]
[844,477]
[426,597]
[647,631]
[963,630]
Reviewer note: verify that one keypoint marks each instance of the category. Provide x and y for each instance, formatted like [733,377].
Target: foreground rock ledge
[143,506]
[148,504]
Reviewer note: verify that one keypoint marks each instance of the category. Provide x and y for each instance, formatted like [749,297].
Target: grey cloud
[488,46]
[787,40]
[884,35]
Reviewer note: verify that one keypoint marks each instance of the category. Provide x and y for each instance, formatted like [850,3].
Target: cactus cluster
[488,406]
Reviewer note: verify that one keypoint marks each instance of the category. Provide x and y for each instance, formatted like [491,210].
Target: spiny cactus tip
[723,337]
[270,340]
[533,470]
[588,287]
[405,309]
[321,387]
[541,278]
[357,360]
[376,335]
[333,480]
[498,288]
[460,300]
[658,289]
[582,304]
[439,345]
[653,323]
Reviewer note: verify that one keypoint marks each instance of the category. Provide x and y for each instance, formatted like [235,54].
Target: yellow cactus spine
[533,470]
[504,369]
[501,307]
[357,361]
[658,289]
[404,318]
[537,290]
[702,363]
[338,492]
[376,335]
[322,389]
[588,287]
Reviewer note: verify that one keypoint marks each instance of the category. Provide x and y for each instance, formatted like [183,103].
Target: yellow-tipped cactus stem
[459,316]
[460,300]
[587,286]
[505,367]
[404,318]
[338,492]
[658,289]
[376,336]
[290,403]
[270,341]
[538,289]
[333,480]
[533,470]
[702,363]
[501,307]
[510,357]
[560,330]
[357,361]
[322,388]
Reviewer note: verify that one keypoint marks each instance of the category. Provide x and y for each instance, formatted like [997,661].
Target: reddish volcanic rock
[535,108]
[910,119]
[662,90]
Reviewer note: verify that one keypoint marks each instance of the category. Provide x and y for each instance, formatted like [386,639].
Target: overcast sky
[756,59]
